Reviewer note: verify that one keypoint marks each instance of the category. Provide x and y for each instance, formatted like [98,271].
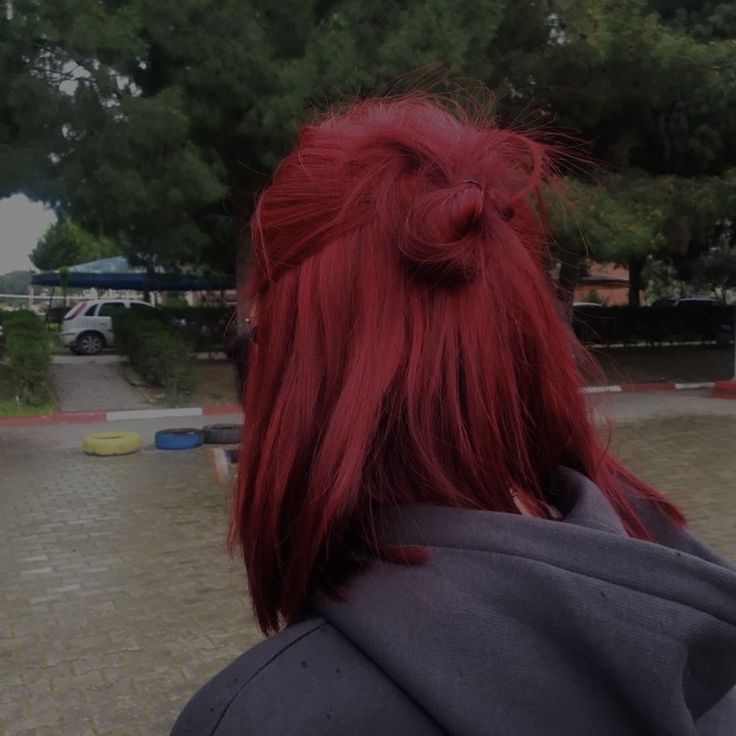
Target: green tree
[66,244]
[715,270]
[161,120]
[655,101]
[704,19]
[173,124]
[621,220]
[31,108]
[15,282]
[633,217]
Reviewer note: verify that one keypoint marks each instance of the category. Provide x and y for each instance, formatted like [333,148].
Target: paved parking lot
[117,598]
[93,383]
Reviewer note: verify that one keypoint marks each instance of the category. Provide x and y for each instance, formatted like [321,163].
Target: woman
[424,510]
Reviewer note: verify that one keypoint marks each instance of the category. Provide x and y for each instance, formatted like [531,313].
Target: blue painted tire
[178,439]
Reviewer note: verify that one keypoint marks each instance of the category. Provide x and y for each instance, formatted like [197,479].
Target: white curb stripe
[198,411]
[117,416]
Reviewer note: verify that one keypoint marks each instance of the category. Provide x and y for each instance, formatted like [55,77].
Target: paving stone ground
[93,383]
[684,444]
[117,599]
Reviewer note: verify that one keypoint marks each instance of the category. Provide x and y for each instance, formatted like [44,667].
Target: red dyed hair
[409,345]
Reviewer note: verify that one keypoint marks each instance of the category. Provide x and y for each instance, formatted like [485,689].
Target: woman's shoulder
[229,692]
[309,679]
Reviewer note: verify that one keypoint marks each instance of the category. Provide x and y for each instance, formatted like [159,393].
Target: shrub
[28,355]
[653,325]
[156,351]
[127,324]
[202,328]
[22,319]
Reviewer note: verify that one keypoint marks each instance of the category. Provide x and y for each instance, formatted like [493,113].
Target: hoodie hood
[519,625]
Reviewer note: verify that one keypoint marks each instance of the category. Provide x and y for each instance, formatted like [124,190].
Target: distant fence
[688,322]
[32,297]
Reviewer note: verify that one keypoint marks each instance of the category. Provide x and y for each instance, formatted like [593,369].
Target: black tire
[90,343]
[222,434]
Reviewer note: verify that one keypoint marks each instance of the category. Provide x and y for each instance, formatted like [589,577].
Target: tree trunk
[635,266]
[242,260]
[64,281]
[150,275]
[569,275]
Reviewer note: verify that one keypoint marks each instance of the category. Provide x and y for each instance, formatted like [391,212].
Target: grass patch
[9,409]
[55,345]
[8,405]
[157,352]
[215,384]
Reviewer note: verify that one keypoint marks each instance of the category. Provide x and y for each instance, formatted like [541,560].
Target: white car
[87,326]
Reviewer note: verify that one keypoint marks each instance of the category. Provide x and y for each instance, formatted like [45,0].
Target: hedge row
[29,357]
[156,351]
[202,328]
[683,323]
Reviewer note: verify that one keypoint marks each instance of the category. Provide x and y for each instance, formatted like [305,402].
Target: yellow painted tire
[112,443]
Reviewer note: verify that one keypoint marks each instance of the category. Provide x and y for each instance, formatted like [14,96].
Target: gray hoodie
[514,625]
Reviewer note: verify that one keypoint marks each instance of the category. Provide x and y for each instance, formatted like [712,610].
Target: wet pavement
[117,599]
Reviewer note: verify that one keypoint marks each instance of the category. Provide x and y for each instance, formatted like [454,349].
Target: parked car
[703,317]
[87,326]
[587,305]
[585,321]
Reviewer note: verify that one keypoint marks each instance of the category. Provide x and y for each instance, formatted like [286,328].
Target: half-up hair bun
[441,238]
[383,378]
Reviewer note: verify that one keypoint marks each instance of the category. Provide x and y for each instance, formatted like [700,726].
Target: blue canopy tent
[117,273]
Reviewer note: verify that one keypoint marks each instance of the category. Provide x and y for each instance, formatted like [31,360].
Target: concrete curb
[95,417]
[721,389]
[642,387]
[724,390]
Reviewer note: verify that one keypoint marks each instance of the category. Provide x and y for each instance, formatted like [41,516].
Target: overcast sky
[22,223]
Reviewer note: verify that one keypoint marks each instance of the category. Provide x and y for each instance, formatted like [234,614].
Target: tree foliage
[15,282]
[716,270]
[66,244]
[157,122]
[655,97]
[31,112]
[169,124]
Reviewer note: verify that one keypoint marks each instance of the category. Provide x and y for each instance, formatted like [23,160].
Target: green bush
[701,322]
[156,351]
[22,319]
[127,324]
[28,355]
[202,328]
